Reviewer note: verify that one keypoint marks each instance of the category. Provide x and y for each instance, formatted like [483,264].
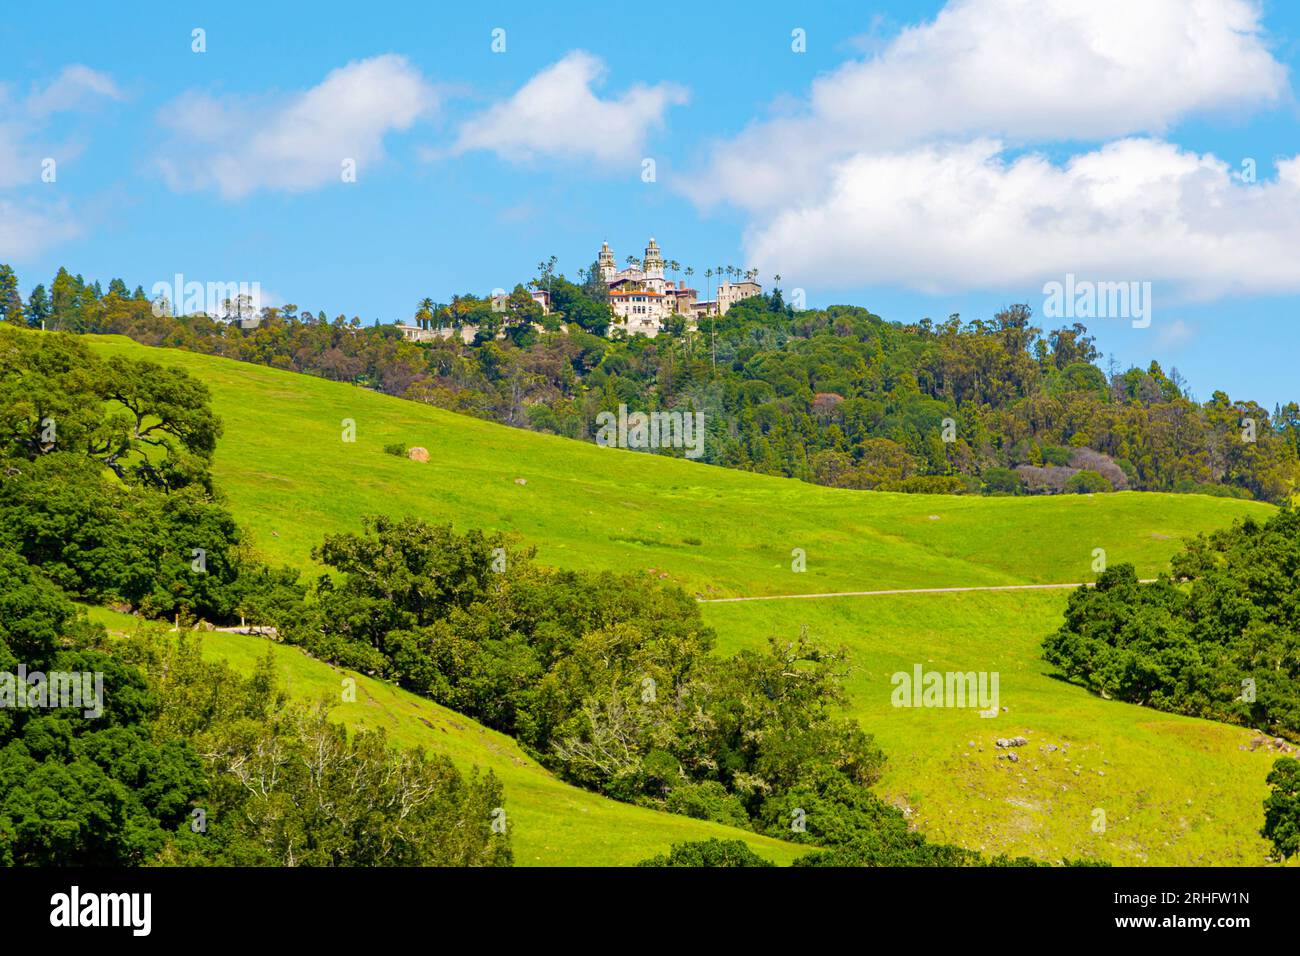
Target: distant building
[729,293]
[643,301]
[424,331]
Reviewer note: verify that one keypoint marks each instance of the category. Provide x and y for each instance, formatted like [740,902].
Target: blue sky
[916,158]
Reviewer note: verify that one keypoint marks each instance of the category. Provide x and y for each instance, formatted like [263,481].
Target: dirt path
[833,594]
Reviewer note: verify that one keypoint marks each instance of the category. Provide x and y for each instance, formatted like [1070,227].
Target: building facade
[644,302]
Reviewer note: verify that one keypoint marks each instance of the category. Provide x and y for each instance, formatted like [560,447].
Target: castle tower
[653,265]
[606,262]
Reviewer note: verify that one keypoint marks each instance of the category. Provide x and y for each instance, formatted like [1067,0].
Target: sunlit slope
[1174,790]
[291,478]
[553,824]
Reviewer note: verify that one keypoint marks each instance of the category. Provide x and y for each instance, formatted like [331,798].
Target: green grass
[1174,790]
[552,823]
[291,478]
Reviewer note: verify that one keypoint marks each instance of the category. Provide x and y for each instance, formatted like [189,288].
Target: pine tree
[65,300]
[38,307]
[11,302]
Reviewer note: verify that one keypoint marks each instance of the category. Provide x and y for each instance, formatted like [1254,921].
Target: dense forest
[836,396]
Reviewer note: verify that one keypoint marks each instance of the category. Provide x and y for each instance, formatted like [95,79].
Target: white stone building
[643,301]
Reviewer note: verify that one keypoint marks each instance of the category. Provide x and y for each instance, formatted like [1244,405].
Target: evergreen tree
[38,307]
[65,300]
[11,302]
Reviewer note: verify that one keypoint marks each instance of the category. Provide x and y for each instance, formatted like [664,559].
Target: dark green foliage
[1001,481]
[710,853]
[288,787]
[11,301]
[152,426]
[1218,639]
[110,543]
[1282,808]
[277,786]
[707,800]
[606,678]
[79,787]
[104,484]
[1086,482]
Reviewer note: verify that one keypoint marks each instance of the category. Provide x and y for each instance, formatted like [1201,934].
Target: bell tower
[653,265]
[606,262]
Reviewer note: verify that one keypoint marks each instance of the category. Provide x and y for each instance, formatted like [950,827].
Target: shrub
[707,800]
[710,853]
[1087,482]
[1282,808]
[1001,481]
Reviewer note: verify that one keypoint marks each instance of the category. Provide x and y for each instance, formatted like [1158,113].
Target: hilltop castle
[643,300]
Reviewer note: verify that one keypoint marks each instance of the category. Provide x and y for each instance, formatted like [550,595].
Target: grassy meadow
[1174,790]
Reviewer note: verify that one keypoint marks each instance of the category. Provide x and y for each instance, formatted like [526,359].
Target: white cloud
[29,228]
[940,218]
[71,89]
[558,114]
[236,146]
[24,141]
[37,221]
[1020,70]
[1175,334]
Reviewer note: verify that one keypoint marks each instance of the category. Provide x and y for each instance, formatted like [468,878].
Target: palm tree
[424,314]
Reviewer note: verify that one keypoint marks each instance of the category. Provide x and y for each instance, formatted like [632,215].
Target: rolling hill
[1173,790]
[552,823]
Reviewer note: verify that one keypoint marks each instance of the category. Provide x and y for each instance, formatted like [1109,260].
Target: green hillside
[291,478]
[552,823]
[1174,790]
